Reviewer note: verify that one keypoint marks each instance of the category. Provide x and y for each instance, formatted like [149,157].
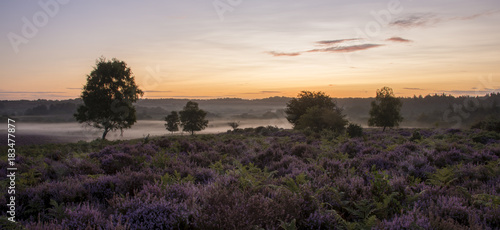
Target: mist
[41,133]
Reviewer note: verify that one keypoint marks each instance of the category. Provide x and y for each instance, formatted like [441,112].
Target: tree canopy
[385,110]
[234,124]
[317,119]
[193,118]
[173,121]
[108,97]
[315,110]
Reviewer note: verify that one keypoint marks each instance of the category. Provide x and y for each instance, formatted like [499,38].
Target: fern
[168,179]
[486,200]
[5,223]
[251,176]
[443,177]
[363,214]
[30,178]
[294,184]
[364,209]
[288,226]
[218,167]
[388,205]
[57,212]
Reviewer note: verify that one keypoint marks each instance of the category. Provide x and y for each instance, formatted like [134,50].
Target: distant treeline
[418,111]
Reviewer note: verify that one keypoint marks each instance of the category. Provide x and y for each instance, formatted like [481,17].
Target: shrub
[354,130]
[413,219]
[416,136]
[83,166]
[351,147]
[115,162]
[151,213]
[491,124]
[486,137]
[84,216]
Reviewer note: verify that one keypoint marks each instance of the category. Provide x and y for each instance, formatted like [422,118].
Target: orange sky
[254,49]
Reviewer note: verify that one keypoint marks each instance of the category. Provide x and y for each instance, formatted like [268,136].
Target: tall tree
[297,107]
[173,121]
[234,125]
[315,110]
[193,118]
[108,97]
[385,110]
[317,119]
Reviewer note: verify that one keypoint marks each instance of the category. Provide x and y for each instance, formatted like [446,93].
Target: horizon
[252,49]
[270,97]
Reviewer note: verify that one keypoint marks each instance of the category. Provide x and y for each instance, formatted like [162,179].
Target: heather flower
[413,219]
[84,216]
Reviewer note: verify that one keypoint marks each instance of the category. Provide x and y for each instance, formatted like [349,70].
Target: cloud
[332,49]
[333,42]
[474,16]
[9,92]
[398,39]
[75,88]
[413,88]
[415,20]
[472,92]
[261,92]
[31,95]
[182,97]
[429,19]
[156,91]
[279,54]
[346,49]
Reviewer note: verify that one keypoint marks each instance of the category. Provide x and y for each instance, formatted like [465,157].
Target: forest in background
[418,111]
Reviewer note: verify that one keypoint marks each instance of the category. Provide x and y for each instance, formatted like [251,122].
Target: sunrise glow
[252,49]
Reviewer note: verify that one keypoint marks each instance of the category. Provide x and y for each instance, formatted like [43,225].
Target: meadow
[262,178]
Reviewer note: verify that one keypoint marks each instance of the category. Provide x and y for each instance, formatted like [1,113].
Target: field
[262,178]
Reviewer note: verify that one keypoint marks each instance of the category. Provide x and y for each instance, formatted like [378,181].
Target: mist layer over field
[40,133]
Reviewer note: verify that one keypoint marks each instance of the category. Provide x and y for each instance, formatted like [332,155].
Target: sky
[202,49]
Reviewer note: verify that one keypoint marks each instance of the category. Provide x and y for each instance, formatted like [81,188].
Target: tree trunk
[106,130]
[192,132]
[383,130]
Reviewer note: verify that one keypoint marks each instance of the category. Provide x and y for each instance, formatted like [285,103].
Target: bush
[252,181]
[492,124]
[84,216]
[416,136]
[486,137]
[151,213]
[354,130]
[318,119]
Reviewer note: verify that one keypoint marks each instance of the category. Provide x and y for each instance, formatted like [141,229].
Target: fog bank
[40,133]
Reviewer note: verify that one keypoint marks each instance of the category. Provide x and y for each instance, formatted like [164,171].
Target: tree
[316,111]
[234,124]
[173,121]
[108,97]
[317,119]
[305,100]
[193,118]
[385,110]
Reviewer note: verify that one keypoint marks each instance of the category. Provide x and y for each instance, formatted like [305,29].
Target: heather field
[262,178]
